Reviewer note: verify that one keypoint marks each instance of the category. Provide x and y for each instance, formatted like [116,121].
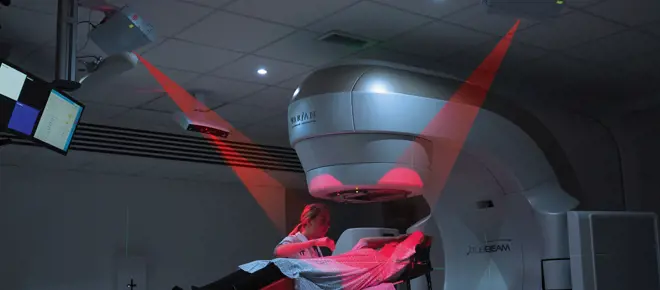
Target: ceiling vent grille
[345,39]
[141,143]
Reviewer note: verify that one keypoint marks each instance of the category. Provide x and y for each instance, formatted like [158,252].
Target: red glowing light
[402,176]
[324,182]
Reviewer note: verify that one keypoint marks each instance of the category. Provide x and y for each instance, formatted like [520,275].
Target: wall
[593,154]
[63,229]
[638,133]
[614,155]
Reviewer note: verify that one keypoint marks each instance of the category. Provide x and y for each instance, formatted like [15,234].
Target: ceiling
[597,52]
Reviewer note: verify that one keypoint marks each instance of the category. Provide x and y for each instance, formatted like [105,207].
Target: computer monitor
[31,107]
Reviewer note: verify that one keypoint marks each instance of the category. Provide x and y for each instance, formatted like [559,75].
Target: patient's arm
[377,242]
[290,249]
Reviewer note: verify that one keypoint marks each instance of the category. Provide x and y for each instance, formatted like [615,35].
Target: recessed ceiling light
[262,71]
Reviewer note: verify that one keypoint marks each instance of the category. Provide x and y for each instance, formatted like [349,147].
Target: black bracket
[131,285]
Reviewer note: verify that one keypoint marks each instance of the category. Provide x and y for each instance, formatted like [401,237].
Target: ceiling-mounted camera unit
[532,9]
[201,119]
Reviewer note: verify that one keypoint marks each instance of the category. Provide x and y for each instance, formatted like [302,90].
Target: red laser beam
[456,118]
[261,186]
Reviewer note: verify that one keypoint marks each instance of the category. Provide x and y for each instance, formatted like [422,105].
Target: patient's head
[314,221]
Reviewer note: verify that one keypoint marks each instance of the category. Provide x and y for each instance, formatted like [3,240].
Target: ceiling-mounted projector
[104,70]
[121,30]
[527,8]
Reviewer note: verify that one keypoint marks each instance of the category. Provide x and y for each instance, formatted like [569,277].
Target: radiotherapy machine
[502,220]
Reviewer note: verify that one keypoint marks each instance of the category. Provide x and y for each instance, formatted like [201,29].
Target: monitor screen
[58,121]
[30,107]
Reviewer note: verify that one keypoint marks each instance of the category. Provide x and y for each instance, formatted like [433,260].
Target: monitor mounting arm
[67,36]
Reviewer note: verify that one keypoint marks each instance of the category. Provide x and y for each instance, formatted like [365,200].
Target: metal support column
[67,36]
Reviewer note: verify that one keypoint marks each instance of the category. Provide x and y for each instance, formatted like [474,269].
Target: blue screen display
[23,118]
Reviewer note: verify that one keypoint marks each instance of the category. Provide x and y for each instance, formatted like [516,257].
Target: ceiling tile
[433,8]
[121,96]
[437,40]
[294,82]
[629,12]
[582,3]
[569,30]
[272,97]
[641,64]
[209,3]
[653,28]
[278,122]
[132,88]
[189,56]
[270,131]
[246,69]
[20,50]
[305,48]
[616,47]
[49,7]
[224,90]
[40,63]
[385,23]
[292,12]
[17,27]
[462,64]
[168,17]
[146,48]
[478,18]
[560,69]
[141,78]
[145,120]
[217,91]
[245,114]
[98,113]
[235,32]
[162,102]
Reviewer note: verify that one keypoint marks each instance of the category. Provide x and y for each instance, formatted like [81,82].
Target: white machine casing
[350,237]
[122,31]
[502,212]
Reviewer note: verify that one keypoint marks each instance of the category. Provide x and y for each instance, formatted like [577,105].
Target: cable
[88,21]
[127,231]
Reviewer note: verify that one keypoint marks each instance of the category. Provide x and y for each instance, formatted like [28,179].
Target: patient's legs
[226,282]
[244,280]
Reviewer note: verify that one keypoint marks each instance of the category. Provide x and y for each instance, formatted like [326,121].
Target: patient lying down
[373,262]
